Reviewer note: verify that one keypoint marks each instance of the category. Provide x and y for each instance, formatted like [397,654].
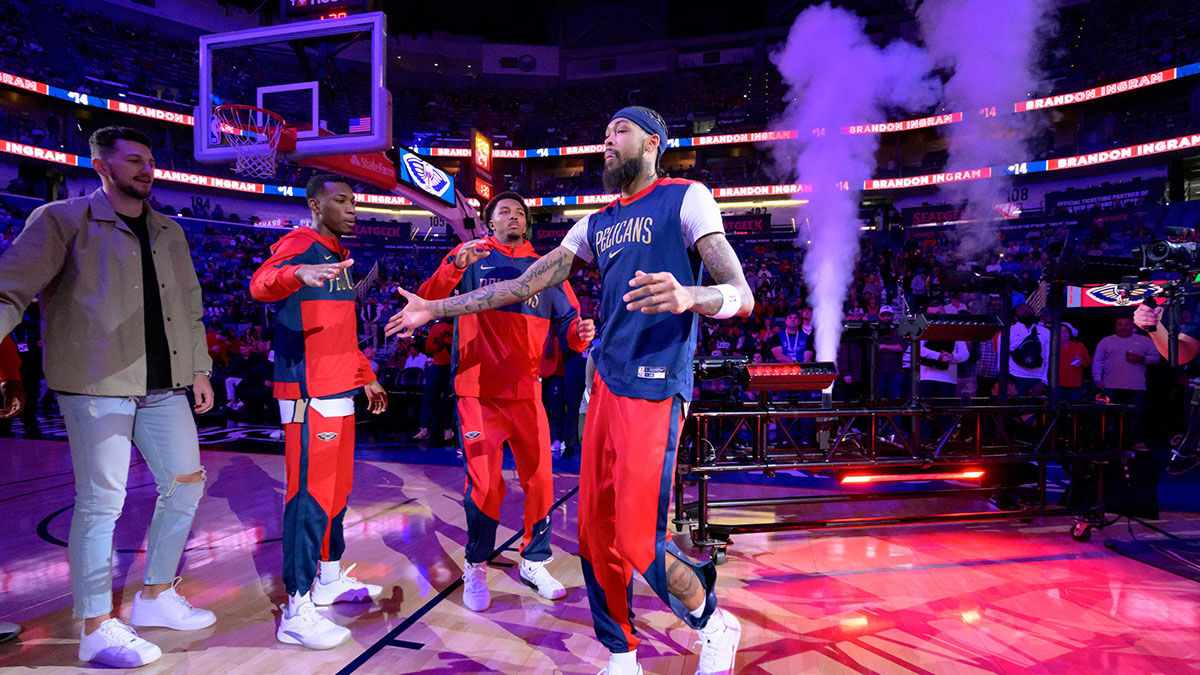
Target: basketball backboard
[326,78]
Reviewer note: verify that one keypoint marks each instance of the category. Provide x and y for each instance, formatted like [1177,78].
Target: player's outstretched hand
[473,250]
[377,399]
[414,315]
[317,275]
[657,293]
[587,330]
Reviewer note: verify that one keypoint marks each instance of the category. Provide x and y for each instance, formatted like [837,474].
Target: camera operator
[1150,319]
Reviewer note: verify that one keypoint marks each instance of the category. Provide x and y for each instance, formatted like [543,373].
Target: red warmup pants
[320,472]
[625,482]
[484,425]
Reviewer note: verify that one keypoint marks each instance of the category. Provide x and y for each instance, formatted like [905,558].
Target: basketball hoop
[257,134]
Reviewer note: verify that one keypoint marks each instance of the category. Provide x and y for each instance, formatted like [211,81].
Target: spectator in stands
[1072,363]
[939,366]
[790,345]
[1029,353]
[436,403]
[126,379]
[1119,371]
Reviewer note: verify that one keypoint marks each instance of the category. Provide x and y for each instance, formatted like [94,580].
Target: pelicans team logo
[1110,294]
[426,176]
[327,435]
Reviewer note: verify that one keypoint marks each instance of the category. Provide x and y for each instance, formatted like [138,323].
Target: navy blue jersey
[647,356]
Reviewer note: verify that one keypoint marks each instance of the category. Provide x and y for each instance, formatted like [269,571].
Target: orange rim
[252,128]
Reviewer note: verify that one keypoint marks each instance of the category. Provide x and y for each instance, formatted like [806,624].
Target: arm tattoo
[682,582]
[724,267]
[548,271]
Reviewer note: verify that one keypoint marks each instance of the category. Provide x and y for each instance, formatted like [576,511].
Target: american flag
[360,125]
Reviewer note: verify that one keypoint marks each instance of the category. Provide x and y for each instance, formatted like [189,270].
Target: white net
[255,134]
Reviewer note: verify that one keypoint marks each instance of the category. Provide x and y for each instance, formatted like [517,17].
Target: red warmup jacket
[10,360]
[497,353]
[316,329]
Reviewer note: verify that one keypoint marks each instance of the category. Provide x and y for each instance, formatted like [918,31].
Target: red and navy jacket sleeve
[276,279]
[10,360]
[444,280]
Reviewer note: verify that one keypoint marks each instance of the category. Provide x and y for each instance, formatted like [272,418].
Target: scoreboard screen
[481,165]
[322,9]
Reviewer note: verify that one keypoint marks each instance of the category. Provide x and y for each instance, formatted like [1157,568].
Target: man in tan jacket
[124,337]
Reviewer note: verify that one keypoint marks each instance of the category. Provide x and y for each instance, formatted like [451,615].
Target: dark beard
[131,189]
[624,173]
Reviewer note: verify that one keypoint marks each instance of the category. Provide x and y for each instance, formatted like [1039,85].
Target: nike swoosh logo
[610,255]
[328,257]
[485,267]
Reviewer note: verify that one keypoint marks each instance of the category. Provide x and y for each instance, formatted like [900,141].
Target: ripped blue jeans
[100,430]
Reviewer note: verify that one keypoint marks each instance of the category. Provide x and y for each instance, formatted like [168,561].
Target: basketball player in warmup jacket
[649,244]
[495,360]
[318,368]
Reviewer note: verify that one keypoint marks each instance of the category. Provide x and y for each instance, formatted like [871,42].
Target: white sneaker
[556,448]
[717,651]
[606,671]
[9,630]
[116,645]
[536,576]
[169,610]
[309,628]
[345,589]
[476,595]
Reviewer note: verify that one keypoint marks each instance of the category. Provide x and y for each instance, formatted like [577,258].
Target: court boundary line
[389,639]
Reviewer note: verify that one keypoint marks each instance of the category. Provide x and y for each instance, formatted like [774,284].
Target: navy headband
[642,117]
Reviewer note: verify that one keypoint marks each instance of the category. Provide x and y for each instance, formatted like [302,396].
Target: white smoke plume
[991,49]
[837,77]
